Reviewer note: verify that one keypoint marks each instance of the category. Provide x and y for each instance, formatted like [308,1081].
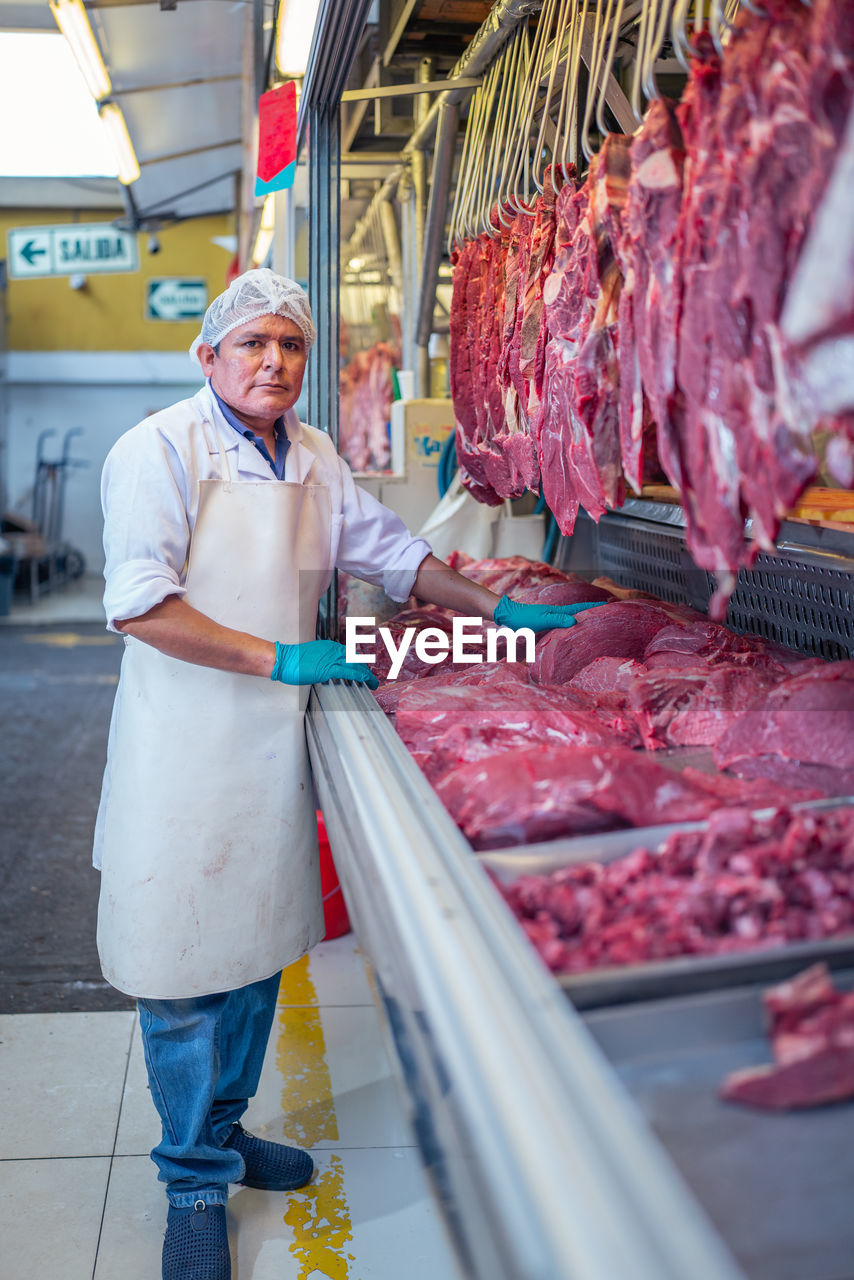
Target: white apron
[210,876]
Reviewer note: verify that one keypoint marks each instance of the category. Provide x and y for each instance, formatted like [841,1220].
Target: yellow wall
[46,314]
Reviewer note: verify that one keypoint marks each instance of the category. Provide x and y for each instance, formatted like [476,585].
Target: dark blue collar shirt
[282,441]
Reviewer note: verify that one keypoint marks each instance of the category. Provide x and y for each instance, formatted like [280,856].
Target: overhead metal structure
[441,122]
[336,37]
[178,75]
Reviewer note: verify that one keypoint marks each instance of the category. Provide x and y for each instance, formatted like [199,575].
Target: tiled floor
[79,1198]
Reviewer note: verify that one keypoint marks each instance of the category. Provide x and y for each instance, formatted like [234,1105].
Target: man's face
[259,369]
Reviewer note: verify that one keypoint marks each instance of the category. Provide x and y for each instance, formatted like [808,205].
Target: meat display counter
[544,1167]
[568,1142]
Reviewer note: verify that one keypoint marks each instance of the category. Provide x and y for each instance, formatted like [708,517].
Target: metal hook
[519,56]
[480,194]
[455,226]
[566,107]
[719,26]
[499,133]
[517,98]
[557,46]
[678,30]
[650,85]
[522,167]
[601,123]
[597,49]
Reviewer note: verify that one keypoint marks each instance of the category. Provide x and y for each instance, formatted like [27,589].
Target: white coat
[150,490]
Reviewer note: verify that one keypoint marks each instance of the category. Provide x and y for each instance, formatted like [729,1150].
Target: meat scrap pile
[630,325]
[811,1029]
[521,753]
[365,387]
[738,885]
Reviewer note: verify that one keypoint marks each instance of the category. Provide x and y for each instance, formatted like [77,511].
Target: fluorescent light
[73,22]
[41,83]
[297,19]
[120,143]
[264,239]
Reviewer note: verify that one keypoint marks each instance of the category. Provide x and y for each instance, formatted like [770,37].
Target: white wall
[105,393]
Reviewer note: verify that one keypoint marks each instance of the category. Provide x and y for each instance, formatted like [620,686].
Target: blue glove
[317,661]
[538,617]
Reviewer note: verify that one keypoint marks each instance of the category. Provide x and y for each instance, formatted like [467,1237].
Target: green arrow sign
[30,252]
[175,299]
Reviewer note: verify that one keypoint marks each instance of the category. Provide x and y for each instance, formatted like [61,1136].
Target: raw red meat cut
[529,259]
[663,306]
[365,408]
[757,793]
[821,779]
[812,1040]
[513,386]
[703,644]
[789,1002]
[500,462]
[561,593]
[492,674]
[647,314]
[465,367]
[619,630]
[607,681]
[761,132]
[825,1076]
[577,425]
[507,574]
[695,707]
[805,722]
[525,796]
[445,726]
[740,884]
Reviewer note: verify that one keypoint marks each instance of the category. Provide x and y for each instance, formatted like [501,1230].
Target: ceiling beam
[352,119]
[399,28]
[616,99]
[175,84]
[192,151]
[409,90]
[118,4]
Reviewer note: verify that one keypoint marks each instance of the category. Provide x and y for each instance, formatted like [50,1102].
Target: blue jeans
[204,1059]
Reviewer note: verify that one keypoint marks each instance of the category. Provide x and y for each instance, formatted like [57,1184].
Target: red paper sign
[277,130]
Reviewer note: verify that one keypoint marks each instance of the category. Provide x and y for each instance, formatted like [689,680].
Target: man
[224,517]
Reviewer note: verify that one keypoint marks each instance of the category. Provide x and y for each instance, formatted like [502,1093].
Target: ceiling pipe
[434,224]
[486,44]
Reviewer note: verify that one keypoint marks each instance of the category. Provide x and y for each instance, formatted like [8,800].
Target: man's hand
[316,662]
[537,617]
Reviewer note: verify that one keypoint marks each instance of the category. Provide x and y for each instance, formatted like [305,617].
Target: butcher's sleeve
[375,544]
[146,528]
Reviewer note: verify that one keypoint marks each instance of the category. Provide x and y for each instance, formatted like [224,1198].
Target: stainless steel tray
[678,975]
[777,1186]
[693,974]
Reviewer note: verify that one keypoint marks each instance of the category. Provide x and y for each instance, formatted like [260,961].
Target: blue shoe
[270,1166]
[196,1243]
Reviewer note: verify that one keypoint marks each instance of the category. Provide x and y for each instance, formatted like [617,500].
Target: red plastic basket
[334,907]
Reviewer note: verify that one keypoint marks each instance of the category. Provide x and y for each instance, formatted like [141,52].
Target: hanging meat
[577,425]
[647,314]
[366,394]
[663,281]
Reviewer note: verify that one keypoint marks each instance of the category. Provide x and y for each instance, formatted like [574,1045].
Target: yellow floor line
[66,639]
[318,1215]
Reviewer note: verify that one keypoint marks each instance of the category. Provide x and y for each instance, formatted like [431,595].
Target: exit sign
[77,248]
[173,298]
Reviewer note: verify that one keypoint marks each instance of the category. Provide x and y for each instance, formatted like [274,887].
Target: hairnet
[259,292]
